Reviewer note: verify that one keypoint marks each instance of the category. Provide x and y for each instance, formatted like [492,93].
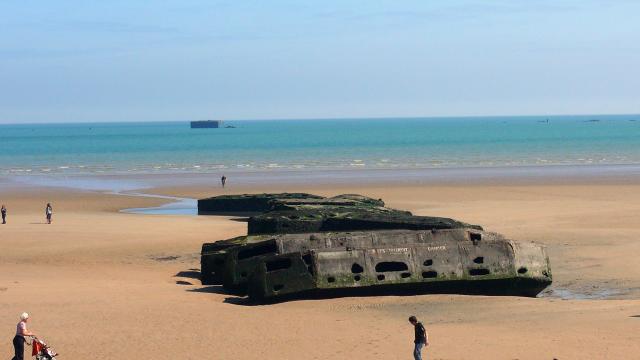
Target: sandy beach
[101,284]
[513,125]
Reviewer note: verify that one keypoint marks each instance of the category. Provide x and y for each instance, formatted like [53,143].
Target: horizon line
[317,118]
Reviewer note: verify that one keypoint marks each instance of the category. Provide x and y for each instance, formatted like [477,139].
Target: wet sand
[103,284]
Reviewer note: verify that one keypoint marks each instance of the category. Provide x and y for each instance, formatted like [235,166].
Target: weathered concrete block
[475,263]
[246,203]
[307,219]
[302,244]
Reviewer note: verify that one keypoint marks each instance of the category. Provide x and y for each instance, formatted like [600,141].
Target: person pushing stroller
[20,338]
[39,348]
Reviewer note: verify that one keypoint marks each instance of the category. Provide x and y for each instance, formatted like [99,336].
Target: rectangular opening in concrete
[279,264]
[429,274]
[261,249]
[388,266]
[479,272]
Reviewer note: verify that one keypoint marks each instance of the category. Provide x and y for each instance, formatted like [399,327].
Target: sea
[324,144]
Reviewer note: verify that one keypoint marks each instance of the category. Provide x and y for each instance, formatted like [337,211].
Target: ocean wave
[315,164]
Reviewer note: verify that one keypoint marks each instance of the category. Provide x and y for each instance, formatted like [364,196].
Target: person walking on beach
[223,180]
[19,339]
[421,338]
[49,212]
[4,214]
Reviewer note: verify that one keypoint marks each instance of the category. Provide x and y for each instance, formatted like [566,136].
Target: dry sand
[106,285]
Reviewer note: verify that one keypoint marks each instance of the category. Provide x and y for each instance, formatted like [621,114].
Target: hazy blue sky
[180,60]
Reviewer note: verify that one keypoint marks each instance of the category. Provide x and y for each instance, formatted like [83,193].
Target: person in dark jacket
[3,210]
[421,338]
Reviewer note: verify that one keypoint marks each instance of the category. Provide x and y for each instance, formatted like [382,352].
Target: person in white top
[19,339]
[49,212]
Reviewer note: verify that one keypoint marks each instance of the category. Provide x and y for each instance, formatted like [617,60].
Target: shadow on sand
[191,274]
[211,289]
[230,299]
[239,298]
[499,287]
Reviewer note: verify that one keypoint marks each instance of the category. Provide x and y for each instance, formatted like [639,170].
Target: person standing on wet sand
[223,180]
[421,338]
[49,212]
[4,214]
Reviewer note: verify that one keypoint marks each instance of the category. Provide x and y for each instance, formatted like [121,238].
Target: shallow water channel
[179,205]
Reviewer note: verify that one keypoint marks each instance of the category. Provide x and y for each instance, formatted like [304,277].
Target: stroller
[41,350]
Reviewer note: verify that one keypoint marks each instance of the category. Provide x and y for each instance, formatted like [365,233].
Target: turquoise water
[319,144]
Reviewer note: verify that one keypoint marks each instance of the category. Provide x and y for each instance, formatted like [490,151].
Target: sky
[140,60]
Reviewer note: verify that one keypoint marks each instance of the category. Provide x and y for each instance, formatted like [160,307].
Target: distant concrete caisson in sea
[206,124]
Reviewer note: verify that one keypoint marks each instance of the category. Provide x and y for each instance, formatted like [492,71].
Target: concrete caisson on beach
[290,213]
[248,204]
[306,219]
[350,244]
[405,262]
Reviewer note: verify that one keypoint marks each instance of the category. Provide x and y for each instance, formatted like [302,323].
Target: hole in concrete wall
[380,277]
[279,264]
[307,261]
[405,275]
[262,249]
[243,274]
[429,274]
[522,270]
[475,236]
[331,279]
[479,272]
[356,268]
[428,262]
[356,278]
[387,266]
[278,287]
[479,260]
